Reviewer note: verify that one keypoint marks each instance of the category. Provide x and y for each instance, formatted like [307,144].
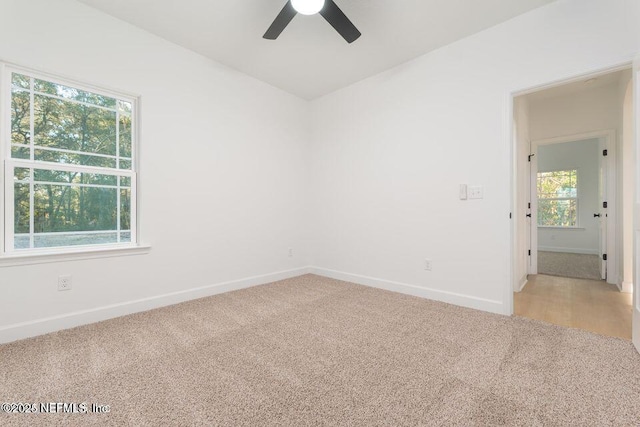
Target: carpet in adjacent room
[580,266]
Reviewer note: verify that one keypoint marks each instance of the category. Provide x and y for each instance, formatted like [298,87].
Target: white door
[532,212]
[636,226]
[601,214]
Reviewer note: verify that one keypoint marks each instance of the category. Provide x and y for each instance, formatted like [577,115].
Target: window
[558,198]
[69,164]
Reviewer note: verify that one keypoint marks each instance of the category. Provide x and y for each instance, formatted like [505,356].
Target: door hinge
[529,205]
[530,156]
[509,215]
[605,152]
[604,204]
[529,252]
[604,257]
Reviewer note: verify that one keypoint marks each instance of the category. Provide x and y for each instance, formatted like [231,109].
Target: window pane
[21,241]
[20,117]
[21,174]
[73,93]
[125,209]
[60,208]
[21,208]
[73,158]
[125,136]
[557,213]
[125,164]
[74,239]
[125,237]
[125,181]
[44,175]
[19,152]
[72,126]
[124,108]
[19,81]
[557,184]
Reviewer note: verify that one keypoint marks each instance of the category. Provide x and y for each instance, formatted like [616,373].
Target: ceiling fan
[327,8]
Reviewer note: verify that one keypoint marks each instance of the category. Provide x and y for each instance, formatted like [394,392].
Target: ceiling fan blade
[338,20]
[280,23]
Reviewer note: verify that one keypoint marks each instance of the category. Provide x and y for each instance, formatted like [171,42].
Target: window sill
[42,257]
[561,228]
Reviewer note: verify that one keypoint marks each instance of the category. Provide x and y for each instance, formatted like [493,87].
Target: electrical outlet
[290,252]
[64,282]
[427,264]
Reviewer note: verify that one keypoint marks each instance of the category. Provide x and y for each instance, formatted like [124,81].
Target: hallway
[591,305]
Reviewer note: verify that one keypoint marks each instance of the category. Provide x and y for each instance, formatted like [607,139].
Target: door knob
[528,215]
[596,215]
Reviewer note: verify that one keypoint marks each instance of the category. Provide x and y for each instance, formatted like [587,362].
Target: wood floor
[592,305]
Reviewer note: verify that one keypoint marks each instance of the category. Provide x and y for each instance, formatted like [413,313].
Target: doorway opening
[571,264]
[573,209]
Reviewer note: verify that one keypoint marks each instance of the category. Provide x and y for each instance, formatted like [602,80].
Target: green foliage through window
[558,198]
[88,198]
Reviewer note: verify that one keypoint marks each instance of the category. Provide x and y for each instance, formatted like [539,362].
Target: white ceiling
[310,59]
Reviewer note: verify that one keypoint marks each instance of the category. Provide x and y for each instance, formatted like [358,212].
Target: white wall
[362,183]
[389,152]
[582,112]
[223,169]
[583,156]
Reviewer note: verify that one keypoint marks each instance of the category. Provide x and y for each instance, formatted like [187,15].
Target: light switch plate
[476,192]
[463,191]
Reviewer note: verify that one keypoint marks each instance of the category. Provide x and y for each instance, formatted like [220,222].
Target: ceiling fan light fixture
[307,7]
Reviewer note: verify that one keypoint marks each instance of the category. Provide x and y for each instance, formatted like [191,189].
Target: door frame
[607,141]
[514,151]
[635,301]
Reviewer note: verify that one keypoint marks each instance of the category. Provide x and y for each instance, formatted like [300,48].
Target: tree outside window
[558,198]
[71,159]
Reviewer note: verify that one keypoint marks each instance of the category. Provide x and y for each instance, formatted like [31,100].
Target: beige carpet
[315,351]
[580,266]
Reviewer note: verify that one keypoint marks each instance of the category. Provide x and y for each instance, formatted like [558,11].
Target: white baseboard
[418,291]
[521,284]
[626,287]
[32,328]
[569,250]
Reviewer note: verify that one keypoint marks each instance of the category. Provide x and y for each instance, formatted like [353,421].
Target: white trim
[69,81]
[418,291]
[68,167]
[62,254]
[626,287]
[5,153]
[622,64]
[64,150]
[62,98]
[7,254]
[511,150]
[522,283]
[75,233]
[569,250]
[41,326]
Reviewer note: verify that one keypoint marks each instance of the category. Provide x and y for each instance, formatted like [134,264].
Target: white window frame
[577,199]
[8,254]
